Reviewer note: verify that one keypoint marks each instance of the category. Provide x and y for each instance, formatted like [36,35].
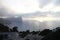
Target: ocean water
[36,25]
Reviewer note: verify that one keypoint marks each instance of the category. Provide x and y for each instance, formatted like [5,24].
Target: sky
[27,6]
[13,7]
[40,10]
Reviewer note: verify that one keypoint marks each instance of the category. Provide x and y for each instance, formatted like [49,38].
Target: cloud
[4,13]
[21,6]
[49,5]
[47,2]
[57,2]
[28,6]
[44,2]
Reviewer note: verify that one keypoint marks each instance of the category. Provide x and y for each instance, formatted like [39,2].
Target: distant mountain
[4,21]
[13,19]
[11,22]
[15,22]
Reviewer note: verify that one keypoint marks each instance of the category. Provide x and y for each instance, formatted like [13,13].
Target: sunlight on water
[36,25]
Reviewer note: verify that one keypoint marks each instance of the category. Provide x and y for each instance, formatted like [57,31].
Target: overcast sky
[45,10]
[8,7]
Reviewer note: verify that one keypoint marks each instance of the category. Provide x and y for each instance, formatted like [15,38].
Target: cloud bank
[45,7]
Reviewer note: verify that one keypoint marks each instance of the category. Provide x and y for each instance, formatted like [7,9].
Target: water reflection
[36,25]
